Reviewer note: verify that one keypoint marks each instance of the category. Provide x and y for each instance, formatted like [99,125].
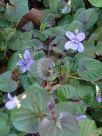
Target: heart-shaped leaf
[65,125]
[25,120]
[88,17]
[90,69]
[96,3]
[7,84]
[66,91]
[27,117]
[18,9]
[87,127]
[4,127]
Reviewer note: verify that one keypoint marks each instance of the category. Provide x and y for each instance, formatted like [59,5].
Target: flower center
[25,62]
[75,41]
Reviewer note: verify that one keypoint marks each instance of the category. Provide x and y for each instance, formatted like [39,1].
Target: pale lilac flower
[81,117]
[75,41]
[66,9]
[78,117]
[99,99]
[25,62]
[12,102]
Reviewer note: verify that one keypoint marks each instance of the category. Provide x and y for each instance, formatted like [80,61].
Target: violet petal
[27,55]
[74,46]
[80,36]
[81,117]
[23,69]
[10,105]
[70,35]
[80,47]
[71,45]
[67,45]
[99,99]
[20,63]
[9,96]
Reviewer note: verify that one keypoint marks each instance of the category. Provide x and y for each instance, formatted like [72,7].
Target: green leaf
[46,3]
[12,62]
[7,84]
[88,17]
[76,4]
[38,95]
[86,92]
[4,23]
[49,17]
[68,126]
[99,131]
[73,107]
[93,45]
[39,55]
[40,35]
[89,49]
[26,119]
[59,41]
[67,61]
[96,3]
[99,21]
[14,13]
[87,127]
[35,43]
[56,5]
[97,114]
[76,25]
[17,40]
[76,91]
[79,97]
[12,135]
[66,18]
[25,81]
[66,92]
[90,69]
[4,127]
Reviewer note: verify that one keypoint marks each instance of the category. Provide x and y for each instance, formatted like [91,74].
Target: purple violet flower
[12,103]
[26,62]
[81,117]
[75,41]
[99,99]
